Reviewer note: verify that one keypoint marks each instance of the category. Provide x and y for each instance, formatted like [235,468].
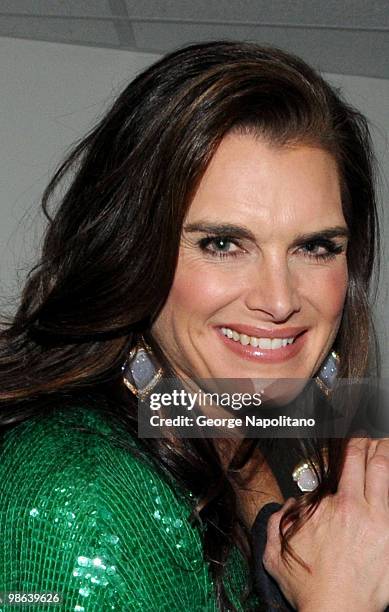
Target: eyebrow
[239,231]
[222,229]
[338,231]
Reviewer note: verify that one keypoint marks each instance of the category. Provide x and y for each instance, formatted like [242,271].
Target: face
[261,278]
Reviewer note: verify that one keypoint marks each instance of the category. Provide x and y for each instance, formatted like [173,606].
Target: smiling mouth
[262,343]
[269,346]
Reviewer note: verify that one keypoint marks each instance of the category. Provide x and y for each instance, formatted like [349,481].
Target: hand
[345,542]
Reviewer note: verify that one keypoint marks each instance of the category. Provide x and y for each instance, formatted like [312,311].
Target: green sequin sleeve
[91,522]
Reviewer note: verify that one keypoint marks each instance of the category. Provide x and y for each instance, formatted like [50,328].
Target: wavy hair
[111,245]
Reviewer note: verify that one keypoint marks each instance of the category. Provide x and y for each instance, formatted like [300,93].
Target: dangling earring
[304,473]
[328,372]
[141,372]
[305,476]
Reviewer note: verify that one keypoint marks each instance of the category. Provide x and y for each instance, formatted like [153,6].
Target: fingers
[371,450]
[366,471]
[273,526]
[273,541]
[377,475]
[352,480]
[288,504]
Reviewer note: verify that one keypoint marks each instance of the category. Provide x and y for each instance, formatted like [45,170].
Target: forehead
[250,180]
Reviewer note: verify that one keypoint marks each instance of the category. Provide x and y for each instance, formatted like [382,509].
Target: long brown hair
[111,247]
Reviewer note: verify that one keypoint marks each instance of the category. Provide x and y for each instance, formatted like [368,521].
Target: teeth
[276,343]
[263,343]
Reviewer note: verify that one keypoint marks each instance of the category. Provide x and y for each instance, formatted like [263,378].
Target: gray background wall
[52,93]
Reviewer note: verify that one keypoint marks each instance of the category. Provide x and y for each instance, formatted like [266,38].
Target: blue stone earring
[305,474]
[328,372]
[141,372]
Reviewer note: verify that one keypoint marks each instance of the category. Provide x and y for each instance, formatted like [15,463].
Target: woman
[226,196]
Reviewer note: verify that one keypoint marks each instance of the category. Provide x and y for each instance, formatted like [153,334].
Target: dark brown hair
[110,249]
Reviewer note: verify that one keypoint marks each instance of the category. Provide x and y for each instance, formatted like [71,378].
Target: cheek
[203,291]
[328,290]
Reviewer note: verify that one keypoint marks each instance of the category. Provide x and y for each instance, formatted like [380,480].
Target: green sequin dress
[88,520]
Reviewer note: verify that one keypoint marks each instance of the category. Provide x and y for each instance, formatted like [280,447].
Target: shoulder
[83,443]
[95,518]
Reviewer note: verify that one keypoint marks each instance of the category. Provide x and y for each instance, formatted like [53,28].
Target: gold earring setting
[141,372]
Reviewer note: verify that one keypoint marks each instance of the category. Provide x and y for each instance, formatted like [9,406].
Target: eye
[321,249]
[220,246]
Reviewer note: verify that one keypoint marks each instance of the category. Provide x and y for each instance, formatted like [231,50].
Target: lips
[261,332]
[254,343]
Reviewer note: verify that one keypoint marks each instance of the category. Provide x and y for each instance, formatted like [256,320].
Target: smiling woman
[252,271]
[218,223]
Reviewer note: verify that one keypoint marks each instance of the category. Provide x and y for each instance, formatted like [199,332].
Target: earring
[141,371]
[326,377]
[305,474]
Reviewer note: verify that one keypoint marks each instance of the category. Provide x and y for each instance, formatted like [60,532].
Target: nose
[273,290]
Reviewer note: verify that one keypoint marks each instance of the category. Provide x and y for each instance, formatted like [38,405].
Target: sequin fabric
[90,521]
